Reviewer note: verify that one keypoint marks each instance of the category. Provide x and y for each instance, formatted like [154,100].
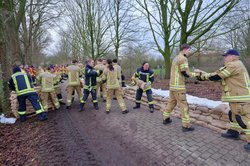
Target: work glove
[100,72]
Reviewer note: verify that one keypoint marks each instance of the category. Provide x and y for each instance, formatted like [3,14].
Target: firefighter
[32,72]
[235,81]
[22,68]
[123,80]
[64,70]
[40,70]
[82,69]
[146,75]
[47,80]
[179,72]
[22,84]
[81,75]
[57,82]
[99,86]
[119,70]
[104,85]
[111,76]
[73,74]
[90,84]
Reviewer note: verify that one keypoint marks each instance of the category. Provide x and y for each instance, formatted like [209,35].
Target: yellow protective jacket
[112,78]
[119,70]
[47,80]
[21,83]
[235,82]
[73,72]
[57,79]
[99,67]
[177,79]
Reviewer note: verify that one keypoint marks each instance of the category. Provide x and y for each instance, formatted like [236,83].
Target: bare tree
[122,21]
[174,22]
[136,54]
[39,16]
[87,19]
[239,38]
[11,15]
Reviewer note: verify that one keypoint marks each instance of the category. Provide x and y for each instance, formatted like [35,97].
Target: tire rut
[63,144]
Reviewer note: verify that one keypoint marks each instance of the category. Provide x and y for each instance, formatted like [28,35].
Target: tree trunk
[117,52]
[4,90]
[166,55]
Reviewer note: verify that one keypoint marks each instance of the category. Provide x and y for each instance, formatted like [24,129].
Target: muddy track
[64,144]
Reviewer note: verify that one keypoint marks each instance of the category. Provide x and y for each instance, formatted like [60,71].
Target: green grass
[158,71]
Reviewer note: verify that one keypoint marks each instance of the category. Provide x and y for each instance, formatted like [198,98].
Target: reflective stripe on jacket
[22,83]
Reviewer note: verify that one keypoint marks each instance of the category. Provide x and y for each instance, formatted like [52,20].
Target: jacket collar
[88,66]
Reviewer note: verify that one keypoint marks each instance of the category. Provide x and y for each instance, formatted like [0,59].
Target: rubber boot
[247,147]
[61,102]
[186,129]
[152,110]
[59,96]
[231,134]
[167,121]
[42,116]
[96,106]
[125,112]
[137,106]
[23,118]
[81,107]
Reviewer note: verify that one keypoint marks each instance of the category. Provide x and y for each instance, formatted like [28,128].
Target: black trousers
[86,93]
[33,98]
[149,93]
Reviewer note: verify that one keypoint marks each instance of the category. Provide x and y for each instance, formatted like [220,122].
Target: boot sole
[233,138]
[187,130]
[167,123]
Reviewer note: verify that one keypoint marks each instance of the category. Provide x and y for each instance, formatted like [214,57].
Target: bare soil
[204,89]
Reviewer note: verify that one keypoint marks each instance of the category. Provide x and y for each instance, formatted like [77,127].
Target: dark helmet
[231,52]
[16,69]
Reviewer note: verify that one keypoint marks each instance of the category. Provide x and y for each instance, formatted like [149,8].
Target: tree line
[108,28]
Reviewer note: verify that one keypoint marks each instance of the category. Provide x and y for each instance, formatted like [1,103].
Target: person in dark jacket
[22,84]
[146,75]
[90,84]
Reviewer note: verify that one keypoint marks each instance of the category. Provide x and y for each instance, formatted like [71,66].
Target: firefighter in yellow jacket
[110,75]
[57,83]
[179,72]
[100,86]
[236,90]
[73,73]
[47,80]
[119,70]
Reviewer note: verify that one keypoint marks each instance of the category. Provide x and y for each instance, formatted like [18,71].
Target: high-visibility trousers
[239,117]
[178,97]
[45,96]
[70,90]
[118,95]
